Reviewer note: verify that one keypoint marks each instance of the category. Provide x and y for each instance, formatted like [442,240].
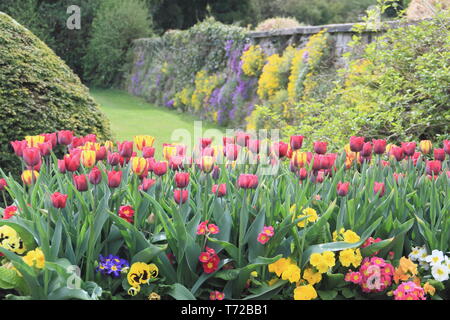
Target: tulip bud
[45,148]
[146,184]
[80,182]
[320,147]
[51,137]
[29,177]
[228,140]
[216,173]
[219,190]
[379,146]
[356,143]
[379,187]
[248,181]
[125,149]
[366,150]
[113,158]
[160,168]
[72,162]
[65,137]
[114,178]
[205,142]
[3,184]
[18,147]
[148,152]
[342,188]
[303,174]
[439,154]
[253,145]
[59,200]
[207,164]
[182,179]
[242,139]
[425,146]
[397,152]
[31,156]
[434,167]
[231,151]
[409,148]
[126,213]
[296,142]
[447,146]
[88,158]
[280,149]
[101,153]
[95,176]
[180,196]
[138,165]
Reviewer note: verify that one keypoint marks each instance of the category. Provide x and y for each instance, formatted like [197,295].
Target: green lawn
[131,116]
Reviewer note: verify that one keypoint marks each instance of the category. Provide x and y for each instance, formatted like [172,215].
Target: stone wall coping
[331,28]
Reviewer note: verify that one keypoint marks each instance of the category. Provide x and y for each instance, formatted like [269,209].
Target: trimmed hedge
[39,93]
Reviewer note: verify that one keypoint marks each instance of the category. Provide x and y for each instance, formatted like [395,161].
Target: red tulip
[242,139]
[303,174]
[113,158]
[182,179]
[95,176]
[72,162]
[366,150]
[320,176]
[416,157]
[379,187]
[356,143]
[18,147]
[248,181]
[45,148]
[180,196]
[280,149]
[59,200]
[125,149]
[219,190]
[9,212]
[320,147]
[379,146]
[148,152]
[439,154]
[126,213]
[51,137]
[342,188]
[76,142]
[101,153]
[205,142]
[317,162]
[398,175]
[231,151]
[90,138]
[146,184]
[114,178]
[176,163]
[409,148]
[160,168]
[228,140]
[296,142]
[80,182]
[31,156]
[62,166]
[433,167]
[65,137]
[447,146]
[397,152]
[253,145]
[3,184]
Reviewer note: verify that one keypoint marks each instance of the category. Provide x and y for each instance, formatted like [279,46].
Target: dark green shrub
[39,93]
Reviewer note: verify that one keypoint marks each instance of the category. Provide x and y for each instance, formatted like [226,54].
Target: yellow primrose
[306,292]
[311,276]
[291,273]
[350,236]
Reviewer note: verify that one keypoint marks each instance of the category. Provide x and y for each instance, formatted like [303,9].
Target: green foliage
[116,24]
[39,93]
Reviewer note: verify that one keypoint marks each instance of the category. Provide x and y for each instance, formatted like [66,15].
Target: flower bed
[245,219]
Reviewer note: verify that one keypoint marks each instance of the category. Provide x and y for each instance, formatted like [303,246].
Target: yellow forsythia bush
[253,61]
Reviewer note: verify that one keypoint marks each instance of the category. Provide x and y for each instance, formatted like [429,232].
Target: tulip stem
[4,198]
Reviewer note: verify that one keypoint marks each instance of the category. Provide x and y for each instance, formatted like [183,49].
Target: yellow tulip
[139,165]
[34,141]
[143,141]
[29,177]
[88,158]
[169,151]
[425,146]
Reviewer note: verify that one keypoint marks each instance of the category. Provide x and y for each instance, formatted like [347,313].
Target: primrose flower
[154,296]
[265,234]
[416,253]
[440,272]
[291,273]
[268,230]
[436,257]
[306,292]
[9,212]
[112,265]
[350,256]
[311,215]
[279,266]
[210,260]
[216,295]
[126,213]
[204,228]
[409,291]
[322,261]
[311,276]
[350,236]
[354,277]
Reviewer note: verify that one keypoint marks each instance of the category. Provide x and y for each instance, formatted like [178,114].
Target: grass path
[131,116]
